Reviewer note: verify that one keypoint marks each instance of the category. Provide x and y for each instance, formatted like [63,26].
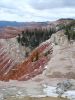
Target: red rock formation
[5,62]
[9,32]
[32,66]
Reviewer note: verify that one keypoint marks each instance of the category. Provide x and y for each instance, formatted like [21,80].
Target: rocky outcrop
[6,62]
[62,64]
[13,49]
[32,66]
[63,87]
[59,38]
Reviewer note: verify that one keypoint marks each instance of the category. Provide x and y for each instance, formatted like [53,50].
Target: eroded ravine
[28,84]
[33,65]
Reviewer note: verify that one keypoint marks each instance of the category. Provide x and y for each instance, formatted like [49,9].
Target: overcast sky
[36,10]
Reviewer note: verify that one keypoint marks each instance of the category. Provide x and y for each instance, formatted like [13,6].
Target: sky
[36,10]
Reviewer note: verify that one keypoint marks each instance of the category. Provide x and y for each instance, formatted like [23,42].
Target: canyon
[53,61]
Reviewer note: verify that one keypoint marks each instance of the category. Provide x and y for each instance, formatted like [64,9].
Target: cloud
[69,3]
[7,4]
[36,10]
[46,4]
[50,4]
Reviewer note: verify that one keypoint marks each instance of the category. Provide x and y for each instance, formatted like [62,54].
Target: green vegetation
[32,38]
[60,27]
[70,31]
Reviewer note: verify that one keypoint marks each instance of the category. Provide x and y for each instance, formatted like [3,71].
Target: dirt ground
[34,98]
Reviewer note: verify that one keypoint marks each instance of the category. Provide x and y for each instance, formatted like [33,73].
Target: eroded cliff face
[61,64]
[13,49]
[50,63]
[59,38]
[26,68]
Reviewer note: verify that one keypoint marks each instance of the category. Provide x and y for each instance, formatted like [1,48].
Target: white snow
[51,91]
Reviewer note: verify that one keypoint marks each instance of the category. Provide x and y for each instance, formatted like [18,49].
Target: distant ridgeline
[10,23]
[21,24]
[32,38]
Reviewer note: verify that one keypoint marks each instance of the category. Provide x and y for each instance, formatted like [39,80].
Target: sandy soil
[33,98]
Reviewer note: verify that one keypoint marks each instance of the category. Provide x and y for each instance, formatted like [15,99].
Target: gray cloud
[45,4]
[50,4]
[36,10]
[69,3]
[8,4]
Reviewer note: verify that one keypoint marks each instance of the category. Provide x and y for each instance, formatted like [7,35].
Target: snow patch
[51,91]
